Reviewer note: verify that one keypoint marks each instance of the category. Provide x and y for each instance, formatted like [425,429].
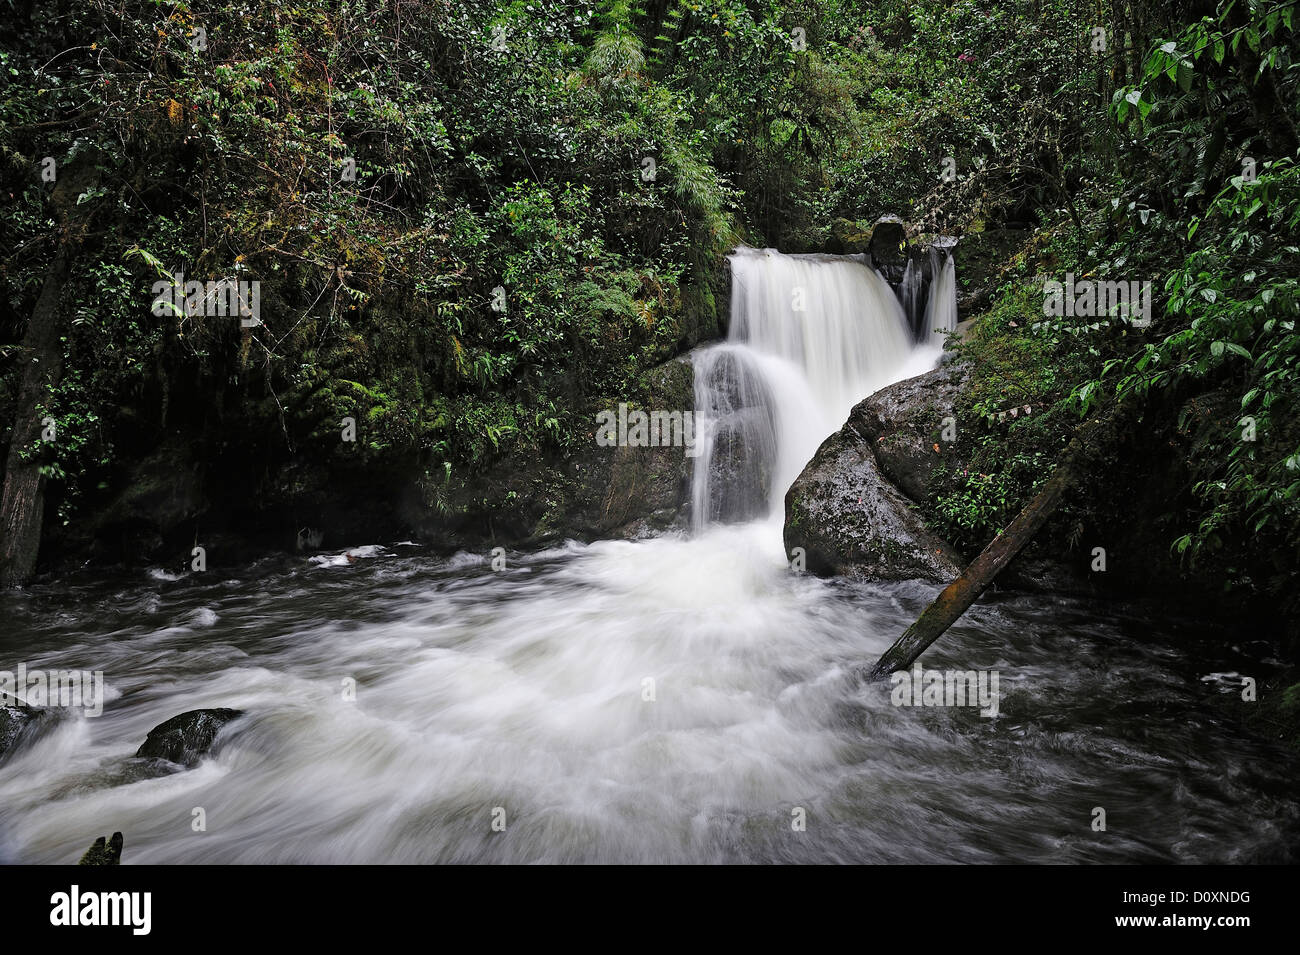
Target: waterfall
[911,295]
[941,309]
[810,336]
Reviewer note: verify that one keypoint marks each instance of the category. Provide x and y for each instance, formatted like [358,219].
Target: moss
[699,314]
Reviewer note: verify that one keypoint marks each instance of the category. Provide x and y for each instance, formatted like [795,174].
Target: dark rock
[705,302]
[19,725]
[617,489]
[160,496]
[904,424]
[851,521]
[856,508]
[848,237]
[741,450]
[894,442]
[986,254]
[888,247]
[100,853]
[187,738]
[1045,566]
[592,492]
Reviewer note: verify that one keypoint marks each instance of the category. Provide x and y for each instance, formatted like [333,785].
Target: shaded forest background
[596,161]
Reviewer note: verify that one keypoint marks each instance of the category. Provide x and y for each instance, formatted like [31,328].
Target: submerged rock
[187,738]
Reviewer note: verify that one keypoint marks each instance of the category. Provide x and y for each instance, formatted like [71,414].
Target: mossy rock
[104,852]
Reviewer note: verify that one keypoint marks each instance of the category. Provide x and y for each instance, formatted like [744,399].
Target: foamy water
[527,691]
[669,700]
[809,337]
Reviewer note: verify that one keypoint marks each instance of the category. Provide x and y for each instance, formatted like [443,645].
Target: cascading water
[941,309]
[911,295]
[810,336]
[737,413]
[665,700]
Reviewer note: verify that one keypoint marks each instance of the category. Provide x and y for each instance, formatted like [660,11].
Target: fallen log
[966,589]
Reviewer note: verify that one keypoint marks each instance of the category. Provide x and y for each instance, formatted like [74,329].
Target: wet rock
[740,453]
[851,521]
[705,303]
[590,493]
[187,738]
[625,487]
[905,422]
[104,853]
[854,508]
[19,725]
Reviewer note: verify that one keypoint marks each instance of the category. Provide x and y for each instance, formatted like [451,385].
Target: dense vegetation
[1197,194]
[383,168]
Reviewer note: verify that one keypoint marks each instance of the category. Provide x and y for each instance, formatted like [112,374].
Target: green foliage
[504,144]
[1214,173]
[1233,307]
[475,168]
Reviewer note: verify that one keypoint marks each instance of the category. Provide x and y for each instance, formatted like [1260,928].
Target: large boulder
[851,521]
[906,428]
[845,511]
[888,248]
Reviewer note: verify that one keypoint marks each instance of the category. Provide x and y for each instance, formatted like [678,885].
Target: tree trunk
[966,589]
[22,503]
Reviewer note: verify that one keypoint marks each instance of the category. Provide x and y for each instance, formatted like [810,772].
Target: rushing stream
[685,698]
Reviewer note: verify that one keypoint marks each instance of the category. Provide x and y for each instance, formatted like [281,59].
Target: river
[687,698]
